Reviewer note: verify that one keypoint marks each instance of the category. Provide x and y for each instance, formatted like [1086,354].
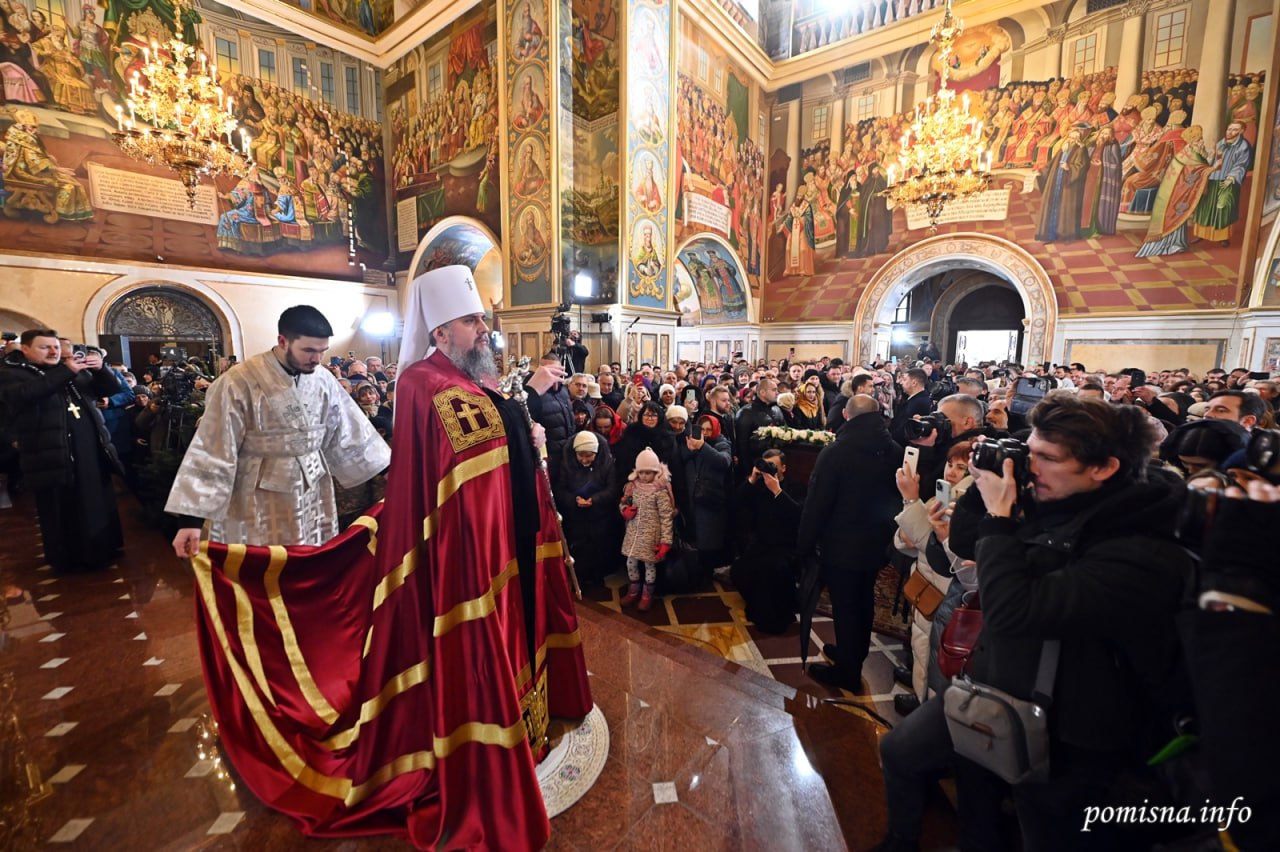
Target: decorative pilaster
[531,219]
[646,224]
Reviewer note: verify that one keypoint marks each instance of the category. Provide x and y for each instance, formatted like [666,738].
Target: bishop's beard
[477,363]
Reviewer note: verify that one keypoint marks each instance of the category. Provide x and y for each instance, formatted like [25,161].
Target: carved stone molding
[1057,34]
[1134,8]
[973,251]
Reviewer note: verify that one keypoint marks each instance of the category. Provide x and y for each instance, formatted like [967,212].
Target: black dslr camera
[914,430]
[990,455]
[765,466]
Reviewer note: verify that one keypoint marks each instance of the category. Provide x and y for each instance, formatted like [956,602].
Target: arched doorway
[14,322]
[873,320]
[459,241]
[158,315]
[710,283]
[968,314]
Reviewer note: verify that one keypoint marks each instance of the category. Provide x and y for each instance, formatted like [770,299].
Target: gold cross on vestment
[73,408]
[468,412]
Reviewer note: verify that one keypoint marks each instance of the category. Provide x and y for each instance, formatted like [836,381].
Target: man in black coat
[64,448]
[916,401]
[763,411]
[549,406]
[848,523]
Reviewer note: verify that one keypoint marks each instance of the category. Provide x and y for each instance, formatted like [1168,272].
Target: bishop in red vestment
[399,679]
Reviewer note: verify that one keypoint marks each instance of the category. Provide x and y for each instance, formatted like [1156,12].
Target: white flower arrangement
[787,435]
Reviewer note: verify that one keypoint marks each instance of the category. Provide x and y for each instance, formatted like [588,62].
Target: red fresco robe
[382,683]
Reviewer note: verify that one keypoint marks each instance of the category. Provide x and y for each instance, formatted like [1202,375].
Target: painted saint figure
[646,259]
[1219,207]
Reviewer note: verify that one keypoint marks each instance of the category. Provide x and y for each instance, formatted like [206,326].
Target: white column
[1053,65]
[793,147]
[1130,69]
[1211,89]
[837,123]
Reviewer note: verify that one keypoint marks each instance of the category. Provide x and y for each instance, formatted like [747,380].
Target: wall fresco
[529,131]
[442,104]
[316,186]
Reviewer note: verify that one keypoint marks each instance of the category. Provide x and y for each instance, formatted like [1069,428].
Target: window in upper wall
[301,77]
[1171,38]
[762,127]
[866,106]
[821,122]
[1084,53]
[267,65]
[228,55]
[703,64]
[903,312]
[328,89]
[352,77]
[719,79]
[433,81]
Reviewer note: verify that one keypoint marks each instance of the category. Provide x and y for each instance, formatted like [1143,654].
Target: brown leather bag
[960,637]
[922,594]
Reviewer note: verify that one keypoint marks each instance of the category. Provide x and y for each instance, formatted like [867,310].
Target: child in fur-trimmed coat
[647,507]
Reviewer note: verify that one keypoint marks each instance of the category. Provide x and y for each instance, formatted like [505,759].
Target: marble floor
[712,746]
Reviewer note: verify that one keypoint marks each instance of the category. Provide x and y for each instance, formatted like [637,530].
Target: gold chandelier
[942,157]
[179,116]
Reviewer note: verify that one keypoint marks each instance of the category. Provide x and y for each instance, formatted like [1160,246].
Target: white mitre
[435,298]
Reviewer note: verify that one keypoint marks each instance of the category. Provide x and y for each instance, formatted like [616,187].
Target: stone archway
[466,242]
[928,257]
[159,313]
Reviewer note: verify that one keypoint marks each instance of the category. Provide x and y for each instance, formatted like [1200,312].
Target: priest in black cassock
[48,396]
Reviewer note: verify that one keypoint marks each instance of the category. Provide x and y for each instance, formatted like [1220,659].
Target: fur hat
[664,388]
[678,411]
[648,460]
[586,442]
[593,390]
[787,400]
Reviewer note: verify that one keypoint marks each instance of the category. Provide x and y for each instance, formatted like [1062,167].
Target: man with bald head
[847,523]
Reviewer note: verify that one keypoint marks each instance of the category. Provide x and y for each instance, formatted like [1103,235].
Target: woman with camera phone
[923,529]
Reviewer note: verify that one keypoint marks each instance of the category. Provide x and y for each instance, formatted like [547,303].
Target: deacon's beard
[476,362]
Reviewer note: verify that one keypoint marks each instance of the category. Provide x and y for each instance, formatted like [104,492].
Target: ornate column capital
[1135,8]
[1057,34]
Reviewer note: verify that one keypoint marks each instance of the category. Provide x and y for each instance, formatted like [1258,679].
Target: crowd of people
[1099,524]
[1080,537]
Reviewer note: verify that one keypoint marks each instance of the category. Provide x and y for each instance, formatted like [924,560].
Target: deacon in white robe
[271,441]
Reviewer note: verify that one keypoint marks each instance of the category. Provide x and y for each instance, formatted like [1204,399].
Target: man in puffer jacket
[552,409]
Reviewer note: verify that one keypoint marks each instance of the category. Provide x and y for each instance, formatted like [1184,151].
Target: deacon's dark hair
[32,333]
[303,321]
[859,380]
[1094,431]
[919,375]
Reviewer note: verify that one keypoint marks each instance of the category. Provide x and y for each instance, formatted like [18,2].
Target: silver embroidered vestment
[260,465]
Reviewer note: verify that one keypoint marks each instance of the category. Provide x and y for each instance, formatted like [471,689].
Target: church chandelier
[942,157]
[179,117]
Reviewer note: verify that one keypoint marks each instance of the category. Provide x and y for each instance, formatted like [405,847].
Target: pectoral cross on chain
[73,408]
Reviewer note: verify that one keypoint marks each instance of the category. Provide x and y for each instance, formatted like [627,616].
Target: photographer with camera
[64,449]
[764,574]
[959,418]
[1078,571]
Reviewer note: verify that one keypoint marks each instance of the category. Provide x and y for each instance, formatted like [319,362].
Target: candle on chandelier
[119,118]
